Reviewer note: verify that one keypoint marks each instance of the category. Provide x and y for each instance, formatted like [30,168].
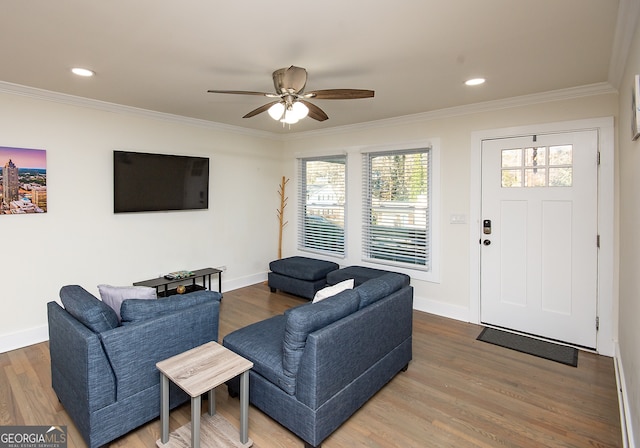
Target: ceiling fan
[291,104]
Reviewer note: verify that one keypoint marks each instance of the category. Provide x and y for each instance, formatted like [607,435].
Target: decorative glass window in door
[538,166]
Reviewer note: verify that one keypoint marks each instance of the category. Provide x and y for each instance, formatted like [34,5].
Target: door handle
[487,242]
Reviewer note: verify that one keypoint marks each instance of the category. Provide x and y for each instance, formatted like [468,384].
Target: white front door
[539,267]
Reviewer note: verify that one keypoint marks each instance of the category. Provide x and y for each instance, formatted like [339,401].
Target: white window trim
[353,214]
[433,275]
[319,253]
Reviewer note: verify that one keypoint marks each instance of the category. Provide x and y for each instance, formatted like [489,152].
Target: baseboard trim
[242,282]
[625,415]
[441,308]
[20,339]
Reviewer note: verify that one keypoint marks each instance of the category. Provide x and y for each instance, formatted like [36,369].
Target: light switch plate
[458,219]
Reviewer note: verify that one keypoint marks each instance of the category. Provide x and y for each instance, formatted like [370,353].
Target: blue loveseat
[104,371]
[318,363]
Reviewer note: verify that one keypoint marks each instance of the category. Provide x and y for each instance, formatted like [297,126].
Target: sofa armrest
[134,349]
[338,354]
[80,372]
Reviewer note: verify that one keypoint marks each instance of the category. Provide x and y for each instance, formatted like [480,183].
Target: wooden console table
[204,275]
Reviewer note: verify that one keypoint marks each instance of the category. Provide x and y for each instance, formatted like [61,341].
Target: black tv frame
[151,182]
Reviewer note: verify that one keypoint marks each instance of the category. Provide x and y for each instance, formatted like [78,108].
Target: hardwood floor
[458,392]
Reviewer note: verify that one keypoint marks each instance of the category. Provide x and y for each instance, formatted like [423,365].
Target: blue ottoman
[301,276]
[359,274]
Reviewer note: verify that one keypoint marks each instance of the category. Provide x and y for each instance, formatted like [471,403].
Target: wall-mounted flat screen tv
[144,182]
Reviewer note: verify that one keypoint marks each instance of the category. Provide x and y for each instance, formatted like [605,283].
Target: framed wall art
[23,185]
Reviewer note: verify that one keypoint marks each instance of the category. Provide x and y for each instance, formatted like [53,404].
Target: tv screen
[144,182]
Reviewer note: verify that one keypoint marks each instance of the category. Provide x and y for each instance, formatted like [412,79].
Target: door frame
[607,299]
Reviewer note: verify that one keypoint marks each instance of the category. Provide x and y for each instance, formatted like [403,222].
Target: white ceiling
[163,55]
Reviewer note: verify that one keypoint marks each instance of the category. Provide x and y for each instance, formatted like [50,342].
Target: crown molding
[603,88]
[63,98]
[487,106]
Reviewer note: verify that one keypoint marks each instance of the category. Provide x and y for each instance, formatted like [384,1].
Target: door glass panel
[535,177]
[537,166]
[511,158]
[536,156]
[560,177]
[560,155]
[511,178]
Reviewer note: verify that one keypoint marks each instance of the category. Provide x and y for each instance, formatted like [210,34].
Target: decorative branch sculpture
[280,213]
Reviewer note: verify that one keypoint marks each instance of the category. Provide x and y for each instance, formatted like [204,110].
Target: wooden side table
[201,370]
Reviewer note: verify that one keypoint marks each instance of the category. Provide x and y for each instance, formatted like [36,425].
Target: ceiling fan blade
[244,92]
[314,111]
[289,80]
[260,109]
[340,94]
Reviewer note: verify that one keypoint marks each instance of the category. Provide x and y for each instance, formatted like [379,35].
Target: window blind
[322,204]
[396,214]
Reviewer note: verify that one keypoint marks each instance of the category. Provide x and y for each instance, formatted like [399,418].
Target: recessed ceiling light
[82,71]
[475,81]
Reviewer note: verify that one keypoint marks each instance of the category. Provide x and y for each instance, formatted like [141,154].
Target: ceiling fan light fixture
[288,113]
[276,111]
[299,110]
[289,117]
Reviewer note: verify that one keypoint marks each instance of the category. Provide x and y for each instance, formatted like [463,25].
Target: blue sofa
[318,363]
[104,371]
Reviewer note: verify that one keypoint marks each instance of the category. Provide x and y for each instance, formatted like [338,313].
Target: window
[397,212]
[322,203]
[539,166]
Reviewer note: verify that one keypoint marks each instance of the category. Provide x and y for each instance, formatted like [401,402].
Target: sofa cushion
[303,268]
[135,310]
[261,343]
[88,309]
[115,295]
[307,318]
[360,274]
[332,290]
[375,289]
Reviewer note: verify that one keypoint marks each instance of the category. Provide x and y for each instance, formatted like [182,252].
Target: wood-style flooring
[458,392]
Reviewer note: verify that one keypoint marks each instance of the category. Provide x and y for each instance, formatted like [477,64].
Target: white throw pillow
[115,295]
[333,290]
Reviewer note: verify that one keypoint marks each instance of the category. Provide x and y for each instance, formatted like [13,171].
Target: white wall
[629,326]
[81,241]
[451,295]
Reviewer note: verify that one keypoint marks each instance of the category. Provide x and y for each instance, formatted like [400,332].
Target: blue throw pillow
[307,318]
[135,310]
[86,308]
